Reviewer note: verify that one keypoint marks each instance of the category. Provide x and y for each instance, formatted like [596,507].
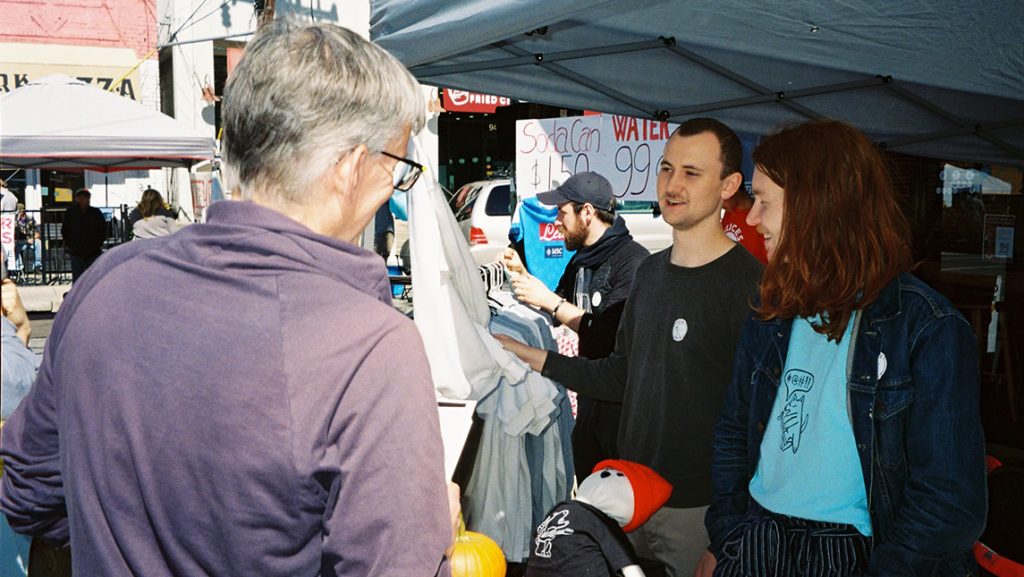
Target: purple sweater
[237,399]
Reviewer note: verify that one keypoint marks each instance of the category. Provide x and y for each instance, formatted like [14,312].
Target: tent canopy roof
[59,122]
[938,78]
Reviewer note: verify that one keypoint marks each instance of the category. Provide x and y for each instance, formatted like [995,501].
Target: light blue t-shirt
[19,367]
[809,467]
[544,245]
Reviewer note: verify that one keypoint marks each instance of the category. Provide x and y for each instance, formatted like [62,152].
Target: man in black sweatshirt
[589,298]
[674,349]
[84,231]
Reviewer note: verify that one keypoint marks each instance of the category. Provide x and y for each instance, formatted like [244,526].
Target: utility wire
[175,34]
[208,14]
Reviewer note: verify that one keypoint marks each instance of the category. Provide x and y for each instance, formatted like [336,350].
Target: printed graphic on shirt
[554,251]
[555,525]
[793,418]
[679,330]
[580,288]
[882,365]
[734,232]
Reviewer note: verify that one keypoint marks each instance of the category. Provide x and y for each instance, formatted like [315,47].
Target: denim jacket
[913,390]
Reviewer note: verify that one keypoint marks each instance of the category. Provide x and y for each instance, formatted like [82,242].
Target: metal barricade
[45,260]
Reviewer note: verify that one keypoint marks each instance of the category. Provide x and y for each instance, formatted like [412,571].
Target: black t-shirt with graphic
[577,539]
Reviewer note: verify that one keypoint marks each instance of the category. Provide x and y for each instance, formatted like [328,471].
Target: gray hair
[304,96]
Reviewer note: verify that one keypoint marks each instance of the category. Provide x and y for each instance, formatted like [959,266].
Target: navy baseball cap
[582,187]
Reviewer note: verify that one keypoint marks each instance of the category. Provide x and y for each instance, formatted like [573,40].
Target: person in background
[18,366]
[19,362]
[153,221]
[84,231]
[850,442]
[589,298]
[8,202]
[154,207]
[240,398]
[27,240]
[734,223]
[674,349]
[383,231]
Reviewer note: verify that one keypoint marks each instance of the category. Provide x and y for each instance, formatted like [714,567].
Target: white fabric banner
[448,296]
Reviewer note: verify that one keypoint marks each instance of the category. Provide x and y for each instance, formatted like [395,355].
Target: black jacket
[84,232]
[609,266]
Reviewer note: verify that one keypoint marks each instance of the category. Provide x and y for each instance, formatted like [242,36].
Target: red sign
[234,57]
[549,232]
[463,101]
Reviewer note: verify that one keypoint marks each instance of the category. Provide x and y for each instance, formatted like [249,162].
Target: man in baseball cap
[589,298]
[583,188]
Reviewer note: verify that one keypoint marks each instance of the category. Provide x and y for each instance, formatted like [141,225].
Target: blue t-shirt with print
[543,244]
[809,467]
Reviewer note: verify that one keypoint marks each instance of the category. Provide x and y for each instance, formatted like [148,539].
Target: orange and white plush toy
[587,536]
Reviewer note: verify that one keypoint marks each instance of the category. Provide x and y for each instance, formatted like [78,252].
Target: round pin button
[679,330]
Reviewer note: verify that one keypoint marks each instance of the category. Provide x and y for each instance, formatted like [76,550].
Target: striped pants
[771,545]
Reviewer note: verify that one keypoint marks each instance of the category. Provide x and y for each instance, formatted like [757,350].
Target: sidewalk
[43,298]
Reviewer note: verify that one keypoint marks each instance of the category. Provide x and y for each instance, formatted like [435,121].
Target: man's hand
[532,291]
[529,355]
[706,565]
[454,509]
[14,310]
[510,258]
[528,288]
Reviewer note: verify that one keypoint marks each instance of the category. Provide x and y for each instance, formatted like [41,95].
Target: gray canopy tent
[940,78]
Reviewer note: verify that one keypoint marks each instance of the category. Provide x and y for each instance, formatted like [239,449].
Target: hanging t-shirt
[734,223]
[399,205]
[577,539]
[809,466]
[543,244]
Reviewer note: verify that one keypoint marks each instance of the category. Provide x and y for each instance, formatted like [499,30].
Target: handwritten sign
[623,149]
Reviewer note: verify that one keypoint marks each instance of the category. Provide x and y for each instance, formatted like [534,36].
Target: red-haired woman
[850,442]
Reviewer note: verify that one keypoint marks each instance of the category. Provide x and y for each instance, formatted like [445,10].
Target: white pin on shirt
[596,299]
[882,365]
[679,329]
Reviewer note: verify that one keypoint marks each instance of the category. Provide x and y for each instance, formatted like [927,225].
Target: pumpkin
[476,555]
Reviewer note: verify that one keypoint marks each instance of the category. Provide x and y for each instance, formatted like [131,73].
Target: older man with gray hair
[227,400]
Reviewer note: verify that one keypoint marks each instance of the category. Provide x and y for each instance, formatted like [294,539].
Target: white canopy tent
[61,123]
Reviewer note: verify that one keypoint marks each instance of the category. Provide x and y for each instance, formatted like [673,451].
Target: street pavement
[42,303]
[41,324]
[43,298]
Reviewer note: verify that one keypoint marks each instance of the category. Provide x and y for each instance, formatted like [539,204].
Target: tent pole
[106,189]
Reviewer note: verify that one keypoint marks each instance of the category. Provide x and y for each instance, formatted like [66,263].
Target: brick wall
[107,23]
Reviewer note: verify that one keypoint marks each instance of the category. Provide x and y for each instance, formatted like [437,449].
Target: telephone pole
[265,12]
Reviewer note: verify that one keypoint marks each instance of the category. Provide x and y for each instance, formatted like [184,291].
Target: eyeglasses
[406,173]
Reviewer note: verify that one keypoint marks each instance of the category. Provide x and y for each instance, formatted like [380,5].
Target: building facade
[107,43]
